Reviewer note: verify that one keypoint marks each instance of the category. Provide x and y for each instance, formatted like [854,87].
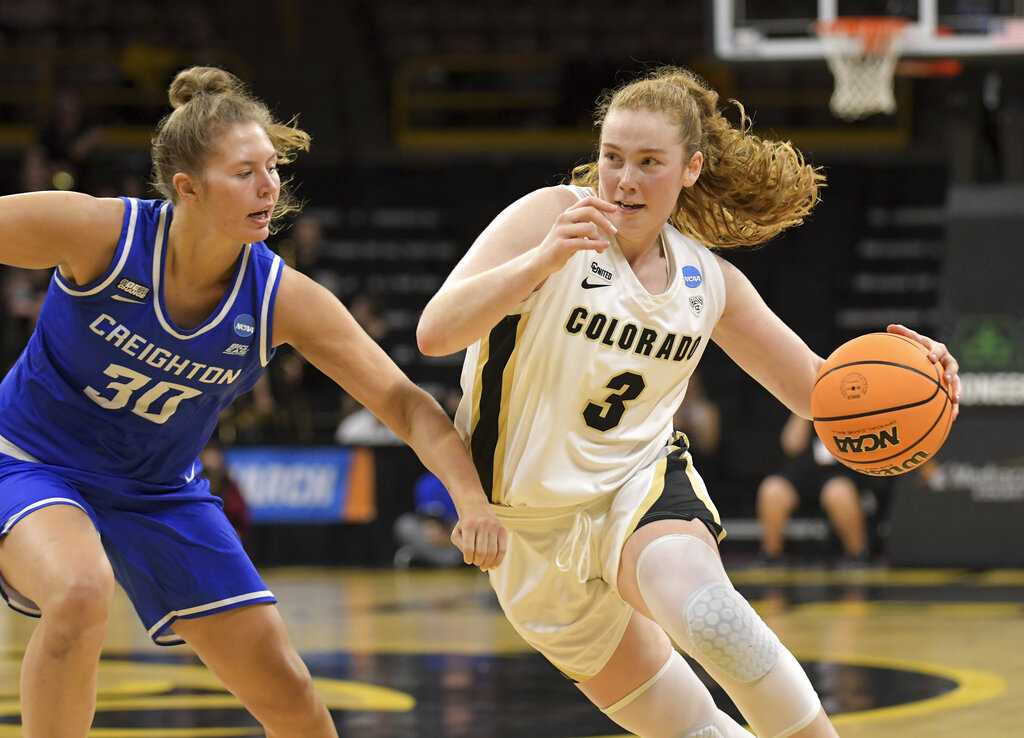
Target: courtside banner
[967,507]
[305,485]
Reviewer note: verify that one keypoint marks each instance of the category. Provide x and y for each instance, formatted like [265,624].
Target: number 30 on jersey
[124,391]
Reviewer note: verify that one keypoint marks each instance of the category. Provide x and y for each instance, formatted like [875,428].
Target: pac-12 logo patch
[696,304]
[245,326]
[691,277]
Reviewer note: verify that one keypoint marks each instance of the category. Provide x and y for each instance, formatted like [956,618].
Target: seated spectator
[365,308]
[302,249]
[22,292]
[293,402]
[360,427]
[215,469]
[424,536]
[699,418]
[67,136]
[36,170]
[812,474]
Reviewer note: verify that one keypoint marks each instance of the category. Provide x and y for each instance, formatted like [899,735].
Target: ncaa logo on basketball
[691,277]
[245,326]
[896,469]
[868,441]
[854,386]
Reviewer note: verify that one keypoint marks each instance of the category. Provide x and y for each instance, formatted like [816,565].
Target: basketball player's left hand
[481,537]
[940,355]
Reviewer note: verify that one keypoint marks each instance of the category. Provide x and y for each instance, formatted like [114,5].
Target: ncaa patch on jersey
[691,277]
[237,349]
[696,304]
[245,326]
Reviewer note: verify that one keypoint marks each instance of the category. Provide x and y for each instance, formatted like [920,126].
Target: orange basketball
[880,405]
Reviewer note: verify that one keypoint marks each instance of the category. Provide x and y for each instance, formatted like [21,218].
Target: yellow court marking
[14,731]
[171,732]
[136,686]
[878,577]
[936,609]
[973,686]
[1001,578]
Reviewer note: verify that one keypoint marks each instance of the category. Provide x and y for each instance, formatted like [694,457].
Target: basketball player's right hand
[480,536]
[584,226]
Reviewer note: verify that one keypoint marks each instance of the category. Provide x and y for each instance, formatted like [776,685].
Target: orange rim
[876,32]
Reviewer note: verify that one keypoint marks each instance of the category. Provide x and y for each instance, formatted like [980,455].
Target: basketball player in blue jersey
[585,309]
[159,314]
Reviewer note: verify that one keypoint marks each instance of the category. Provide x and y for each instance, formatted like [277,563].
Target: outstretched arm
[311,319]
[70,230]
[769,351]
[529,241]
[763,346]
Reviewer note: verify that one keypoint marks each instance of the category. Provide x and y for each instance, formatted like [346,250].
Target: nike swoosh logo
[587,286]
[121,298]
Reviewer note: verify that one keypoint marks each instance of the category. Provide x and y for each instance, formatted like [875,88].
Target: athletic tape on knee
[674,703]
[689,594]
[632,696]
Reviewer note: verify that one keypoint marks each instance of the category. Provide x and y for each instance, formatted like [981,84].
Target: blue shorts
[173,552]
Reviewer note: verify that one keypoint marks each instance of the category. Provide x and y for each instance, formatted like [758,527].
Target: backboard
[767,30]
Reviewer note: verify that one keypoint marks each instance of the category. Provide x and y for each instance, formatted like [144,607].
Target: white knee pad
[687,591]
[723,628]
[673,703]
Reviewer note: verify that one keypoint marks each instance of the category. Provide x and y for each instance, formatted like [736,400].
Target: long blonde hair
[750,189]
[206,100]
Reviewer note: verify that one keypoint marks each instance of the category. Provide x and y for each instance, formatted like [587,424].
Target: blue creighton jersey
[109,384]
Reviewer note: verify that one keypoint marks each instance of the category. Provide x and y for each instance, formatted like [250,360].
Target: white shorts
[557,582]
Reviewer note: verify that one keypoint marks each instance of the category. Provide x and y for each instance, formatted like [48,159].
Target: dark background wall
[429,117]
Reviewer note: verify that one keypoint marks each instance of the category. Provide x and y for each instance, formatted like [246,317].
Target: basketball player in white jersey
[585,309]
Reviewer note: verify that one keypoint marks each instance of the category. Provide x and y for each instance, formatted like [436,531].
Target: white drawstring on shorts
[576,547]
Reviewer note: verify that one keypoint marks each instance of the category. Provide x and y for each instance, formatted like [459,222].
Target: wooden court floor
[396,654]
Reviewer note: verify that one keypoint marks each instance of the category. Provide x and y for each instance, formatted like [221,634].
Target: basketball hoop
[862,54]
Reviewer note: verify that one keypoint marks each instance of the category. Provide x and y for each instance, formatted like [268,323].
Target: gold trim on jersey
[478,381]
[506,390]
[490,401]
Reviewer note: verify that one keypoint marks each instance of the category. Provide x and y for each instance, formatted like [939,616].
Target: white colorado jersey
[569,397]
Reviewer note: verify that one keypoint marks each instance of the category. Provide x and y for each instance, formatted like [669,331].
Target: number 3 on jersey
[607,414]
[123,392]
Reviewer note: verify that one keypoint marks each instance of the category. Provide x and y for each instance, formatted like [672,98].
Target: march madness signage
[305,485]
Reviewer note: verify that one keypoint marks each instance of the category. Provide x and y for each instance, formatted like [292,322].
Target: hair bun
[194,81]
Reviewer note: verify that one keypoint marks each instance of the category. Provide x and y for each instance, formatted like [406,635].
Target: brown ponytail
[749,190]
[205,100]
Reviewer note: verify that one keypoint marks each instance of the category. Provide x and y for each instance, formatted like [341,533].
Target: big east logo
[868,441]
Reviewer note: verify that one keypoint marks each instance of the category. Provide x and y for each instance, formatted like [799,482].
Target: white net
[862,54]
